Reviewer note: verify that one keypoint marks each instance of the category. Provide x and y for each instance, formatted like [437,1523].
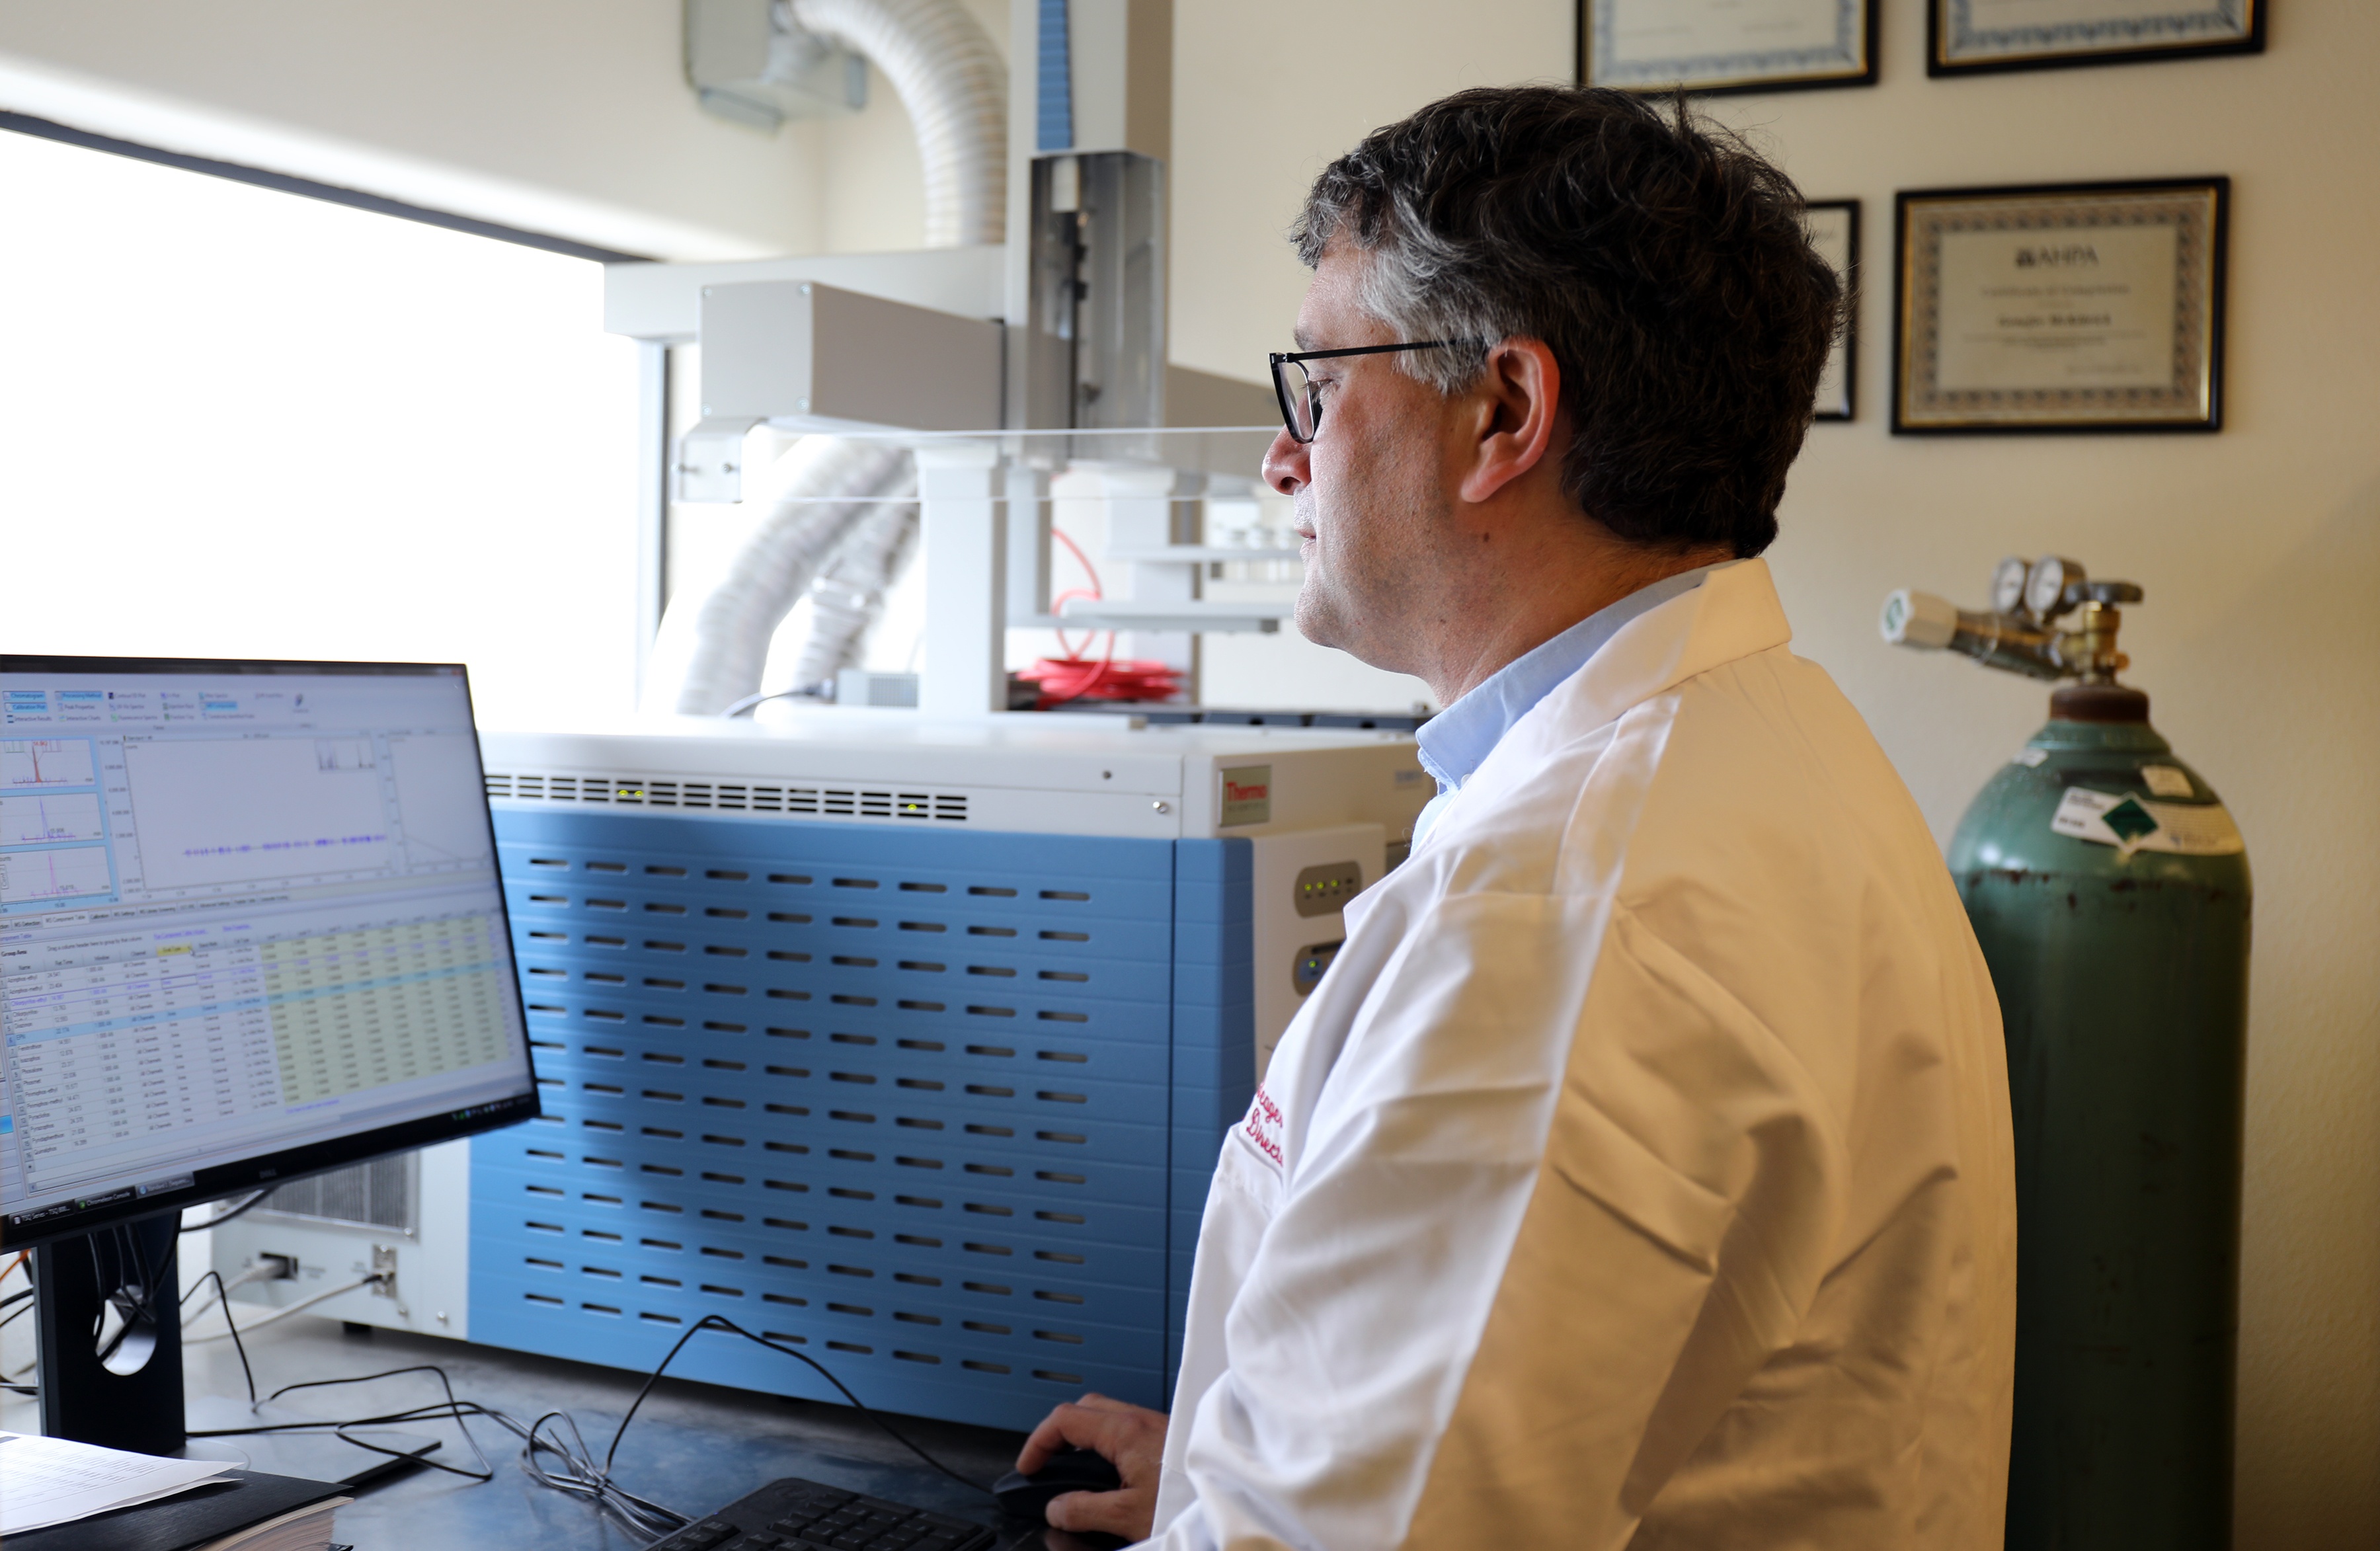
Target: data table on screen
[244,909]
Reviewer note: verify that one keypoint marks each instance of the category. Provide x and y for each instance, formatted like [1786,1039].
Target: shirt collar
[1458,740]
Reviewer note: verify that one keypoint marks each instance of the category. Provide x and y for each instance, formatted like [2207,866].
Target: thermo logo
[1247,795]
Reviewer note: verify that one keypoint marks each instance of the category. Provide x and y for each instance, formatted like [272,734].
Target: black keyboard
[797,1515]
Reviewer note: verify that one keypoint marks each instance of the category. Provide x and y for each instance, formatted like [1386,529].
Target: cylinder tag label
[2131,823]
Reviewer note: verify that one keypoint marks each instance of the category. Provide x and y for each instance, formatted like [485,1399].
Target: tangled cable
[554,1453]
[1074,677]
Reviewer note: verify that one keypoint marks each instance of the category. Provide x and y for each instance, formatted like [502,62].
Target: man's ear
[1510,416]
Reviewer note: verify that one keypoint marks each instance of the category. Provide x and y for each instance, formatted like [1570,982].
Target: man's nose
[1285,466]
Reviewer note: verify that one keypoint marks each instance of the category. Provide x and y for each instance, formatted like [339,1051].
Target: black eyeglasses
[1300,405]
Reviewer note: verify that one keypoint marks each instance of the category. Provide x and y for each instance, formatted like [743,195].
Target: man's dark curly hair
[1662,261]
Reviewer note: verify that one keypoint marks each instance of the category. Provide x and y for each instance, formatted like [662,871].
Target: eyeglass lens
[1297,395]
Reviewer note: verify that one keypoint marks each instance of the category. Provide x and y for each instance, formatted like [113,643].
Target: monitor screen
[250,927]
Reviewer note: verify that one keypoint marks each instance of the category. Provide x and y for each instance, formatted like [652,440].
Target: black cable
[108,1286]
[130,1234]
[222,1218]
[453,1409]
[223,1296]
[576,1475]
[125,1249]
[719,1322]
[16,1298]
[18,1315]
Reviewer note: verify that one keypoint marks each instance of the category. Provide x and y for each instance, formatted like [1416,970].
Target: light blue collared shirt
[1457,741]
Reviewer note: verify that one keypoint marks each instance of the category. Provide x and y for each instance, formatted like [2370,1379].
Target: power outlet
[383,1265]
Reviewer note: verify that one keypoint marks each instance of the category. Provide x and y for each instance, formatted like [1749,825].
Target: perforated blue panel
[1214,1043]
[939,1107]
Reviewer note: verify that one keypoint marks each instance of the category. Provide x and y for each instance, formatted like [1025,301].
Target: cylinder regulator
[2108,890]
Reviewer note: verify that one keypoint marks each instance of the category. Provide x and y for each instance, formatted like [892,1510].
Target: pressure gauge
[2008,584]
[2045,589]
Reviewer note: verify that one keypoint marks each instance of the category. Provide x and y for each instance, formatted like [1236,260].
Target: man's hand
[1130,1437]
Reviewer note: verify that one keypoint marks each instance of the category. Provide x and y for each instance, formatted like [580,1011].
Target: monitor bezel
[63,1220]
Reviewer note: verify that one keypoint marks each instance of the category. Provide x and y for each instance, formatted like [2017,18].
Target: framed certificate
[1726,46]
[2067,307]
[1833,230]
[1964,37]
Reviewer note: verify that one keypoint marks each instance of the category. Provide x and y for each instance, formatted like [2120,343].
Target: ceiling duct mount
[751,63]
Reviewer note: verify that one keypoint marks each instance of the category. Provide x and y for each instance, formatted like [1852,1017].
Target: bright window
[235,422]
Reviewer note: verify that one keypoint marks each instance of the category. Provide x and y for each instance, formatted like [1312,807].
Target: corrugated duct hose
[819,524]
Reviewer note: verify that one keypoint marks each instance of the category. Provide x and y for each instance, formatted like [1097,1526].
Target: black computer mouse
[1074,1470]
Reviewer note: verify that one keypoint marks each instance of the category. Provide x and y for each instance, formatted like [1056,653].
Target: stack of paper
[52,1481]
[302,1528]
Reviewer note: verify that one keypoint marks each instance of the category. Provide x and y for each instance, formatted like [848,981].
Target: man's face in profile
[1372,509]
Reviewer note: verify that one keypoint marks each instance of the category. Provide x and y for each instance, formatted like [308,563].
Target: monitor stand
[127,1394]
[132,1398]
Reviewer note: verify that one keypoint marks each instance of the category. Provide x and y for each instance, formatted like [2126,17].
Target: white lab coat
[1640,1173]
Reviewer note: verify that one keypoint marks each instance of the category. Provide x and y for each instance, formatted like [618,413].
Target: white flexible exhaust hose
[733,625]
[849,591]
[954,85]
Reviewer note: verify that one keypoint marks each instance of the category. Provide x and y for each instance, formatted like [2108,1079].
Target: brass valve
[2022,633]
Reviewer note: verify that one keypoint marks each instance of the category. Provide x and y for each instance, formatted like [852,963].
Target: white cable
[257,1273]
[282,1313]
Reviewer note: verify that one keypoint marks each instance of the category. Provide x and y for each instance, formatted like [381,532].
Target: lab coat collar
[1456,741]
[1732,614]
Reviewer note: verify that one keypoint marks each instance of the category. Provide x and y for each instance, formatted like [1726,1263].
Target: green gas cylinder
[2110,891]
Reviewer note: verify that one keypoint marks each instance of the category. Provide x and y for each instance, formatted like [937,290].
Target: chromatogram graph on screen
[31,762]
[29,875]
[37,818]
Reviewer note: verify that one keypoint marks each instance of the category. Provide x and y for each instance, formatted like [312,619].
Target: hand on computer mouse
[1130,1437]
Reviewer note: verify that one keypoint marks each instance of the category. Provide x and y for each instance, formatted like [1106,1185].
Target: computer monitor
[250,928]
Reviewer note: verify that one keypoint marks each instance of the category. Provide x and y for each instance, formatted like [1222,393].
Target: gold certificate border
[1750,70]
[2107,40]
[2187,400]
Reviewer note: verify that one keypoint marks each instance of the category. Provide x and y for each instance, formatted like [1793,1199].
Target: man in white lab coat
[1639,1174]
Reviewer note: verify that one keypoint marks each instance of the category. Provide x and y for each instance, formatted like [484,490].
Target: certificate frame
[2163,368]
[1839,384]
[1960,43]
[1849,59]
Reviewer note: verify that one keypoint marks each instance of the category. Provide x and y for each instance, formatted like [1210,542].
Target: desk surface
[693,1446]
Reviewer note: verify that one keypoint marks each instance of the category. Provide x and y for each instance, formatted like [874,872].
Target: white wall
[2259,547]
[567,116]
